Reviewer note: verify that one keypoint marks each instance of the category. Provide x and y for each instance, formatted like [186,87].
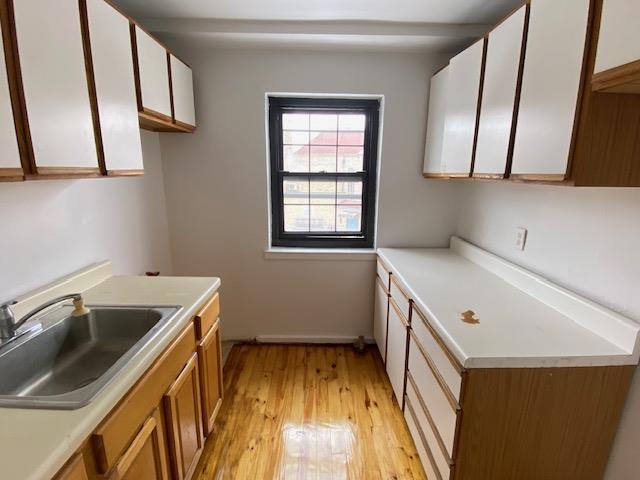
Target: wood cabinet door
[499,96]
[56,91]
[154,92]
[184,420]
[548,102]
[211,387]
[146,457]
[380,316]
[396,352]
[184,111]
[465,81]
[619,38]
[74,470]
[435,124]
[109,40]
[10,161]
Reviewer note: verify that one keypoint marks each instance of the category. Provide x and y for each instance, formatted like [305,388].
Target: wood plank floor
[308,412]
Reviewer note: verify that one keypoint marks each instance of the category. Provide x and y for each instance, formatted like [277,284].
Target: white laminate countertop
[34,444]
[525,321]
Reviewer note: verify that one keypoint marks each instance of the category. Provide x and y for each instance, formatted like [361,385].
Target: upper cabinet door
[54,80]
[153,72]
[617,66]
[499,96]
[548,101]
[110,44]
[10,163]
[465,80]
[435,124]
[182,91]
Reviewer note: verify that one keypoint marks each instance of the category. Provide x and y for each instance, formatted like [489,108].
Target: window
[323,171]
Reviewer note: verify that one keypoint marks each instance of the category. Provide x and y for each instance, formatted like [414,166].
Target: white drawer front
[430,436]
[383,274]
[380,312]
[401,300]
[429,468]
[444,366]
[396,353]
[440,409]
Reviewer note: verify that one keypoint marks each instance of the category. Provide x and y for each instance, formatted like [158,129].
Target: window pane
[351,138]
[348,218]
[323,192]
[350,159]
[323,159]
[296,191]
[352,122]
[295,138]
[324,121]
[323,218]
[296,158]
[296,218]
[349,192]
[323,138]
[295,121]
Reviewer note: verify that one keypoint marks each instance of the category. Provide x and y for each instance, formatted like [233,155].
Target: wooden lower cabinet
[146,456]
[74,470]
[184,421]
[210,364]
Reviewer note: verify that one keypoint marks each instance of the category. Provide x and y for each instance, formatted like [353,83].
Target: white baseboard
[309,339]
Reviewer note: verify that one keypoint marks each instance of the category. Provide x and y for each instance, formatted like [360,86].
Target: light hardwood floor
[308,412]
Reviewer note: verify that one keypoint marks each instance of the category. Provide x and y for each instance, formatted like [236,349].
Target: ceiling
[405,25]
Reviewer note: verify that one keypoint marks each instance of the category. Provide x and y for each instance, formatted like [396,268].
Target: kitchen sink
[63,362]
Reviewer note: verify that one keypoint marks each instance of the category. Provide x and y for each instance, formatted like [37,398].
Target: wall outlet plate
[521,238]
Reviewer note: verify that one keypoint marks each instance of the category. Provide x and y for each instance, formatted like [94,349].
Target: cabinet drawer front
[443,413]
[426,458]
[207,316]
[396,351]
[380,318]
[383,274]
[446,364]
[113,436]
[401,298]
[441,460]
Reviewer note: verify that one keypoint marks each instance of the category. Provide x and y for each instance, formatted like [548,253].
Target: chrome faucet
[8,323]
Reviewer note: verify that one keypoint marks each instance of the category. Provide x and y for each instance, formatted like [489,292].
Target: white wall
[216,186]
[53,227]
[584,239]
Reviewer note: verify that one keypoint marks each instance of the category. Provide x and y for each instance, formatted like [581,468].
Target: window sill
[342,254]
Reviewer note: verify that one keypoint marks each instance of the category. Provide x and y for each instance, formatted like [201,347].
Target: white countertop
[525,321]
[34,444]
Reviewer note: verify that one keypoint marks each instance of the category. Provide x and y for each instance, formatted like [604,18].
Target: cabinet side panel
[529,424]
[435,122]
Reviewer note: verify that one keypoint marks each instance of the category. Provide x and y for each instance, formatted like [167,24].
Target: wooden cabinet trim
[111,438]
[73,470]
[621,79]
[151,429]
[381,283]
[207,316]
[479,106]
[450,356]
[422,438]
[401,315]
[190,372]
[432,424]
[443,385]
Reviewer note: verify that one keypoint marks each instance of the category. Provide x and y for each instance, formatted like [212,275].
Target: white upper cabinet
[182,90]
[435,123]
[548,102]
[619,39]
[10,164]
[110,40]
[465,72]
[153,69]
[502,71]
[56,93]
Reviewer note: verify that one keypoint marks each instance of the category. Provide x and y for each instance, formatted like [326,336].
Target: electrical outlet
[521,238]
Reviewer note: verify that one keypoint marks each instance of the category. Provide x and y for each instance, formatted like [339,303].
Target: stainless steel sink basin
[64,362]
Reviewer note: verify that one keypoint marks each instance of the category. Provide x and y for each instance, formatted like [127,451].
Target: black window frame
[369,175]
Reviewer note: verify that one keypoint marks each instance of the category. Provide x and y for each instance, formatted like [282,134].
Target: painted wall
[54,227]
[583,239]
[216,186]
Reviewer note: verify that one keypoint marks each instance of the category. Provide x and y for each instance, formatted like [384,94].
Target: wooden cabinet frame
[211,403]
